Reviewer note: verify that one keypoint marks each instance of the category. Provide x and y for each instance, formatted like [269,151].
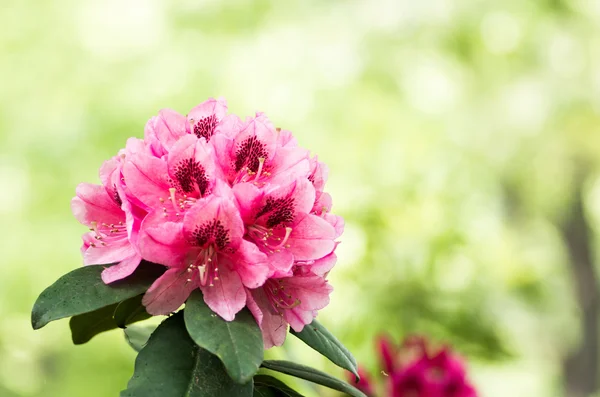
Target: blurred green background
[462,137]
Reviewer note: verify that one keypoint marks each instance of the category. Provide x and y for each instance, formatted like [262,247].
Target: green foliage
[130,311]
[137,335]
[238,343]
[268,386]
[319,338]
[83,291]
[118,315]
[172,365]
[447,117]
[312,375]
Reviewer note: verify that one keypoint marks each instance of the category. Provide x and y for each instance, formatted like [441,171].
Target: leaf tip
[37,320]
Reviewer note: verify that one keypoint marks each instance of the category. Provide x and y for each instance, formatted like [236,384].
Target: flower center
[190,177]
[211,233]
[249,153]
[280,210]
[273,240]
[176,204]
[205,266]
[279,296]
[107,233]
[205,127]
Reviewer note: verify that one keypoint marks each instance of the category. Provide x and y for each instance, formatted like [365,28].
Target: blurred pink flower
[415,369]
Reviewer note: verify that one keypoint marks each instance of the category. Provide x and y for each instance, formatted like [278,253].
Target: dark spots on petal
[205,127]
[116,196]
[280,210]
[189,176]
[212,232]
[248,154]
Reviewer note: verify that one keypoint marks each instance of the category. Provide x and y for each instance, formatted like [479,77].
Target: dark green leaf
[172,365]
[319,338]
[268,386]
[85,326]
[130,311]
[312,375]
[137,335]
[237,343]
[82,291]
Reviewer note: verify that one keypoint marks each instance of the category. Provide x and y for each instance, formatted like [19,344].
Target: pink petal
[114,252]
[313,294]
[164,130]
[107,173]
[168,292]
[227,296]
[162,241]
[337,222]
[211,106]
[301,191]
[274,328]
[311,238]
[285,138]
[298,318]
[93,204]
[251,264]
[280,263]
[312,291]
[146,179]
[188,155]
[214,209]
[134,145]
[291,174]
[248,198]
[122,270]
[290,163]
[206,117]
[229,126]
[224,147]
[322,266]
[318,173]
[323,203]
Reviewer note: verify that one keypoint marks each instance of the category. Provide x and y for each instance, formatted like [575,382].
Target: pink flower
[253,152]
[277,220]
[204,251]
[417,370]
[440,375]
[172,183]
[365,384]
[234,208]
[203,121]
[111,221]
[292,300]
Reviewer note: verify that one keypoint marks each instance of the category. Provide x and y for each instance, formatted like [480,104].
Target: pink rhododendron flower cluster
[233,207]
[415,369]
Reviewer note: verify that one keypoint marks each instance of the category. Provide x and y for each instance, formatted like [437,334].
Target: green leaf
[319,338]
[268,386]
[87,325]
[137,335]
[130,311]
[312,375]
[172,365]
[237,343]
[83,291]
